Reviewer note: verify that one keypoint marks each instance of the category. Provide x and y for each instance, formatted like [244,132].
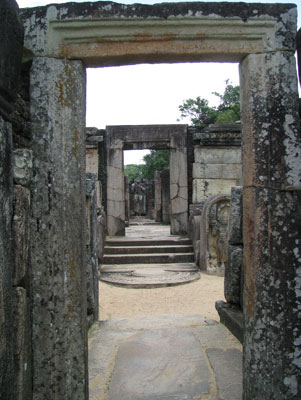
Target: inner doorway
[172,137]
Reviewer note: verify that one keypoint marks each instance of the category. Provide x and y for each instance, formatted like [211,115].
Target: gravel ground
[193,298]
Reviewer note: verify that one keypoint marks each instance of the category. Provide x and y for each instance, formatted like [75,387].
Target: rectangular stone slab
[154,365]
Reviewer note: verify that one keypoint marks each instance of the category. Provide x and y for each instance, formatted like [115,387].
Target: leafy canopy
[201,114]
[156,160]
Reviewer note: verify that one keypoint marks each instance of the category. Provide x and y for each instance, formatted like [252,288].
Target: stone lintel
[115,34]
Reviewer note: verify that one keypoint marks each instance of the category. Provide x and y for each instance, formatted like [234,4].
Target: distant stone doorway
[130,137]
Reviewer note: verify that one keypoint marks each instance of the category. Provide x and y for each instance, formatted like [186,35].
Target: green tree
[198,111]
[201,114]
[156,160]
[133,171]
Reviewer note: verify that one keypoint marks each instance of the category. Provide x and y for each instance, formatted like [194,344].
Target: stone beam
[103,34]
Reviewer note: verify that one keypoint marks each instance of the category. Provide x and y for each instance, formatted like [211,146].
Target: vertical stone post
[11,48]
[127,199]
[115,187]
[178,188]
[158,197]
[271,227]
[165,195]
[58,259]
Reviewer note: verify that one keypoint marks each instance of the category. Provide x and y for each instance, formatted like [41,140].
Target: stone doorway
[62,40]
[172,137]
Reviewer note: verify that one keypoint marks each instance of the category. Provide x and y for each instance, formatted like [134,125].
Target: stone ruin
[44,194]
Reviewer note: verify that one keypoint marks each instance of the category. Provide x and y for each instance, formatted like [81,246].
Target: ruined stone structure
[172,137]
[60,42]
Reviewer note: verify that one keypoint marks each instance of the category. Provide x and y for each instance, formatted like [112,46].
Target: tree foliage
[201,114]
[133,171]
[156,160]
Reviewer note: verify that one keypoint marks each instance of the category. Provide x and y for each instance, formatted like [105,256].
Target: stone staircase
[143,262]
[150,251]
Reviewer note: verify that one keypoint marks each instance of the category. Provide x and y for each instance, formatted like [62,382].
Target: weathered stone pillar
[271,227]
[58,230]
[115,187]
[178,186]
[158,197]
[165,185]
[11,37]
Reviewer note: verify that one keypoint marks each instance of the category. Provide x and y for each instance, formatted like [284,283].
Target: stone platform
[148,256]
[149,275]
[169,357]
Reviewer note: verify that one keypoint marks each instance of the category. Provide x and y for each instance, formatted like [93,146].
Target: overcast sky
[147,93]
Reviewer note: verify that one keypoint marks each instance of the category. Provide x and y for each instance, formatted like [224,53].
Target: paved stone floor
[181,357]
[165,358]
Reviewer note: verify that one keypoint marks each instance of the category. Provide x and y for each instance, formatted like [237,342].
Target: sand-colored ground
[197,297]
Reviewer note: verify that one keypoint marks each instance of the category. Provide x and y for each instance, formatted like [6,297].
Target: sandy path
[193,298]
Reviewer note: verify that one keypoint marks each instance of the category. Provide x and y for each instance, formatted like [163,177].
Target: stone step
[148,249]
[122,242]
[148,258]
[174,267]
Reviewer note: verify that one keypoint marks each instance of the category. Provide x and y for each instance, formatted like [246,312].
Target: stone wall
[12,300]
[217,160]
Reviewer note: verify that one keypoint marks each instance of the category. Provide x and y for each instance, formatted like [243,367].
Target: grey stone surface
[158,358]
[11,48]
[217,155]
[272,282]
[232,317]
[217,171]
[21,232]
[159,365]
[158,197]
[271,225]
[233,274]
[227,366]
[259,28]
[92,248]
[165,184]
[213,227]
[235,217]
[6,259]
[22,345]
[178,187]
[22,164]
[206,188]
[58,257]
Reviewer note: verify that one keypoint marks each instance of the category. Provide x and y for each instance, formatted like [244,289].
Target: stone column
[165,186]
[115,187]
[271,227]
[158,197]
[178,189]
[11,34]
[58,258]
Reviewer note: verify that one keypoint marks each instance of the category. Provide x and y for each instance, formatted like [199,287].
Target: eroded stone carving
[213,234]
